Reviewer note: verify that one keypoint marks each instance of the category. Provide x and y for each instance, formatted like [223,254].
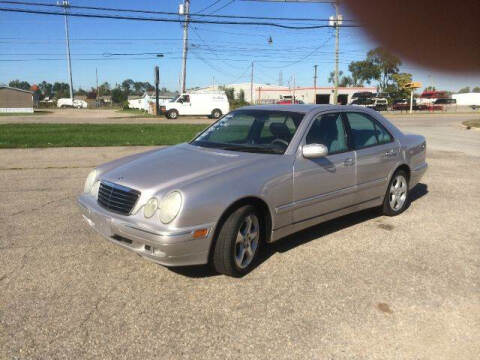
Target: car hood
[176,165]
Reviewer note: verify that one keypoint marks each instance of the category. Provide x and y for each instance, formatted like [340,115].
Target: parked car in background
[378,104]
[404,105]
[213,104]
[288,102]
[257,175]
[443,104]
[429,97]
[362,94]
[67,102]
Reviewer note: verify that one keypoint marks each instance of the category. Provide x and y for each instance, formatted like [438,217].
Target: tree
[476,89]
[61,90]
[104,89]
[464,90]
[397,89]
[119,96]
[241,96]
[386,63]
[430,88]
[230,92]
[363,71]
[128,85]
[343,81]
[80,92]
[46,89]
[19,84]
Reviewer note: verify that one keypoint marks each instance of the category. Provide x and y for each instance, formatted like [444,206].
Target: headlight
[150,208]
[90,181]
[95,188]
[169,207]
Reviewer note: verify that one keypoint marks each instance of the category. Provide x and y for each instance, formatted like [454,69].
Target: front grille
[117,198]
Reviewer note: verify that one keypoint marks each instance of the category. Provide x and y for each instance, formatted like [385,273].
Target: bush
[119,96]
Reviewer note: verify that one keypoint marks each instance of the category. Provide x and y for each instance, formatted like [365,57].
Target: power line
[220,8]
[140,11]
[208,7]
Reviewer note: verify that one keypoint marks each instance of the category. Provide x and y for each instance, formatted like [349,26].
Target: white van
[67,102]
[213,104]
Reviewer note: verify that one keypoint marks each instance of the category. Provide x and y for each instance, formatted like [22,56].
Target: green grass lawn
[37,112]
[70,135]
[472,123]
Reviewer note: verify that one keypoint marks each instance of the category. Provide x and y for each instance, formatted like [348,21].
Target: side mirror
[314,151]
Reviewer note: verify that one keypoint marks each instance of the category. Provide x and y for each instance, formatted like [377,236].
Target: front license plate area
[102,224]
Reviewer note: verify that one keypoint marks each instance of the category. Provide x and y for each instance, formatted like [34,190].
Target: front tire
[397,196]
[238,242]
[172,114]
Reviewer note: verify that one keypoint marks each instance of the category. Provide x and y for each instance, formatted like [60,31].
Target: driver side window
[328,129]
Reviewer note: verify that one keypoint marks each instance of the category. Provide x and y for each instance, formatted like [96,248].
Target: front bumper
[170,248]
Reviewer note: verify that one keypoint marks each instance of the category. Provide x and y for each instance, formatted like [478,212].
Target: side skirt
[279,233]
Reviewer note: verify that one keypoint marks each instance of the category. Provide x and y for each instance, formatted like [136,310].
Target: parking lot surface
[361,287]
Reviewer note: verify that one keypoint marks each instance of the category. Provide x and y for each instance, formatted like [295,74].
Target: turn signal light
[200,233]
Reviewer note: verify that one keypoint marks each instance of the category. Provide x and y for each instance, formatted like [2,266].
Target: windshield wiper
[253,149]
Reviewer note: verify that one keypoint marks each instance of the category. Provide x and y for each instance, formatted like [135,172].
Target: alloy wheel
[398,192]
[246,242]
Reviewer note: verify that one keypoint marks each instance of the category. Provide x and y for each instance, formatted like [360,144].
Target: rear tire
[238,242]
[397,197]
[172,114]
[216,113]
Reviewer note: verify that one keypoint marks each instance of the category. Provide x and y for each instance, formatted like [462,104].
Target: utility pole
[251,87]
[315,84]
[96,76]
[157,82]
[336,22]
[280,78]
[293,89]
[184,9]
[65,4]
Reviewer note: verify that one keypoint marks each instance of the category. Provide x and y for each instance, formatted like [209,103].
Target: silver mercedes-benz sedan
[257,175]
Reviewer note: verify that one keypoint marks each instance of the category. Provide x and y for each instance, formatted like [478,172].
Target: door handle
[390,153]
[349,162]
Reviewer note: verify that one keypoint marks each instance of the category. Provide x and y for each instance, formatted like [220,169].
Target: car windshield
[259,131]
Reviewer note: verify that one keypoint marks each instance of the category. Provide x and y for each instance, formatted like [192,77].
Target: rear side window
[366,132]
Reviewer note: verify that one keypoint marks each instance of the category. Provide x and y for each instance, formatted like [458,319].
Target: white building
[270,94]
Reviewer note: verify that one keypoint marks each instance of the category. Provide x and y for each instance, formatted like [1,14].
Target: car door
[377,152]
[324,185]
[184,106]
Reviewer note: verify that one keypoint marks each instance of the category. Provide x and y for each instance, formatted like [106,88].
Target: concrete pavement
[360,287]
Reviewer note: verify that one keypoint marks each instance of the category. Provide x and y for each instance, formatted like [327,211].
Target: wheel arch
[405,168]
[258,203]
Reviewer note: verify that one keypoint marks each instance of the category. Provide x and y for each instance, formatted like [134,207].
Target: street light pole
[315,84]
[65,5]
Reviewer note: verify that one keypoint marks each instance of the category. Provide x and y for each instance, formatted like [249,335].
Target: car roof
[300,108]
